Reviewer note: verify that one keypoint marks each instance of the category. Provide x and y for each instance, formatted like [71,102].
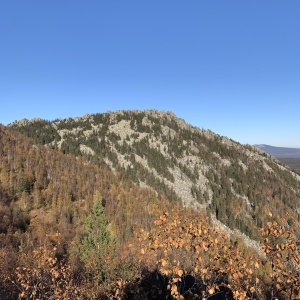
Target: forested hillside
[70,228]
[47,196]
[236,184]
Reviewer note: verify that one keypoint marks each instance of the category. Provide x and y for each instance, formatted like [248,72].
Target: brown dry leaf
[174,289]
[164,262]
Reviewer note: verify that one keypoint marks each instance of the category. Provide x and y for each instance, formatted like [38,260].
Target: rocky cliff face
[237,184]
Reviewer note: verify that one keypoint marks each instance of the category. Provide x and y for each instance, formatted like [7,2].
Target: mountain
[142,205]
[237,185]
[280,152]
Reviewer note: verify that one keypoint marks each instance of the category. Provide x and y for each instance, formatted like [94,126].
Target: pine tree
[98,247]
[96,235]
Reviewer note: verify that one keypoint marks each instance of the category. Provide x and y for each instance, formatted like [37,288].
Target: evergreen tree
[96,235]
[97,244]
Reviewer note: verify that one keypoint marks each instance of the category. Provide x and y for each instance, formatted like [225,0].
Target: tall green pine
[96,237]
[98,247]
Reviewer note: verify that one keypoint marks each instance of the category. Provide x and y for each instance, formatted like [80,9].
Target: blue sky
[229,66]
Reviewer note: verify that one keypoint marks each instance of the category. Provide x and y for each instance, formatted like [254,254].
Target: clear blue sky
[229,66]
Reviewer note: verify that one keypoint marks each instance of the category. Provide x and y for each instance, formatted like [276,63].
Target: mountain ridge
[133,204]
[196,166]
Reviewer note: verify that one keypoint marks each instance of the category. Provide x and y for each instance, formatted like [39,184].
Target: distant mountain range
[280,152]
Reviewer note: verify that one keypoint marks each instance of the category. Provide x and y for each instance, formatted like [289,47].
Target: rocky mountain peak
[236,184]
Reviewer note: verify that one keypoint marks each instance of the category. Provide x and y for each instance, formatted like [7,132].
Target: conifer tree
[96,235]
[98,247]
